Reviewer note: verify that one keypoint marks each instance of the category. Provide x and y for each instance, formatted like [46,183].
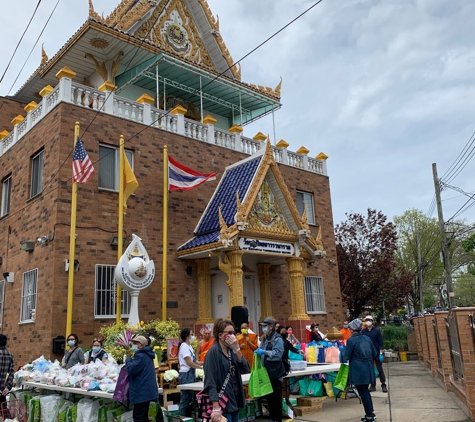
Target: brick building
[149,72]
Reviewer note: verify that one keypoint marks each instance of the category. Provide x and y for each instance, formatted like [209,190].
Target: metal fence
[454,346]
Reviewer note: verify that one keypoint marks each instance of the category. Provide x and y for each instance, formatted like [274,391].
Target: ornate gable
[172,28]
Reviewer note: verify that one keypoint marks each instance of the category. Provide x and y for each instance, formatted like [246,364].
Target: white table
[73,390]
[314,369]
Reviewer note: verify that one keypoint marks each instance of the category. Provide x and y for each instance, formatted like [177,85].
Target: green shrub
[392,332]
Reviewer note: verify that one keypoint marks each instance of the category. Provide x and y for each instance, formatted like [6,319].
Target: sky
[385,88]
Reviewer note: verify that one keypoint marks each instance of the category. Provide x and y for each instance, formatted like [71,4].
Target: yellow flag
[130,182]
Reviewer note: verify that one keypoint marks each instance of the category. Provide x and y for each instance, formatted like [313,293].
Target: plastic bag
[311,354]
[126,417]
[121,392]
[332,355]
[329,389]
[259,382]
[87,410]
[50,408]
[342,378]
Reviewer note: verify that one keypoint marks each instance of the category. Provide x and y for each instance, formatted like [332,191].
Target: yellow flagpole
[165,233]
[72,247]
[121,224]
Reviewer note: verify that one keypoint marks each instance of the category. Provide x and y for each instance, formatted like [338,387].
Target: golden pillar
[231,265]
[297,297]
[204,291]
[263,271]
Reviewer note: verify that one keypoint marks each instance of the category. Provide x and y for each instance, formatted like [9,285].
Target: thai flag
[181,177]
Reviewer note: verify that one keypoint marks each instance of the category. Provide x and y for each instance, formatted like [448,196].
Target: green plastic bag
[342,377]
[259,382]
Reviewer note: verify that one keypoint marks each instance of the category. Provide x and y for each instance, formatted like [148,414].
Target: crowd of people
[225,354]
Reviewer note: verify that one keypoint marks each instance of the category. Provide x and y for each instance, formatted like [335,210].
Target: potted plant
[401,348]
[171,376]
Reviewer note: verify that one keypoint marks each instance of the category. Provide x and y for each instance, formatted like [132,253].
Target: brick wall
[49,213]
[8,111]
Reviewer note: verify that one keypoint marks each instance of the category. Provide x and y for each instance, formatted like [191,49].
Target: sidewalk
[414,396]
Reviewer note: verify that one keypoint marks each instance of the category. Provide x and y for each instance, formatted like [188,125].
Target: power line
[453,171]
[19,42]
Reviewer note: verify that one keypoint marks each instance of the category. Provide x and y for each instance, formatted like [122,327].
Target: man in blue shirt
[270,352]
[376,337]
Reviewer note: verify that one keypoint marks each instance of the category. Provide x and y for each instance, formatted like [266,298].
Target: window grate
[314,295]
[105,294]
[28,295]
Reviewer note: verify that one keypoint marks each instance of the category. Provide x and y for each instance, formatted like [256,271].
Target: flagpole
[165,233]
[118,308]
[72,247]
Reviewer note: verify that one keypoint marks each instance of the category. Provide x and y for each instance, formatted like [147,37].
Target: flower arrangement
[199,374]
[117,337]
[170,375]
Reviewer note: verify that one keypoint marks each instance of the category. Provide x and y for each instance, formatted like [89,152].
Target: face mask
[96,349]
[290,332]
[345,326]
[135,347]
[192,339]
[265,330]
[71,343]
[369,323]
[244,331]
[284,335]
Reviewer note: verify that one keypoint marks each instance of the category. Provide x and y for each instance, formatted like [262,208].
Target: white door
[252,300]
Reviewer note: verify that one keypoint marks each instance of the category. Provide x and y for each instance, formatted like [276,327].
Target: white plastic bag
[87,410]
[50,408]
[126,417]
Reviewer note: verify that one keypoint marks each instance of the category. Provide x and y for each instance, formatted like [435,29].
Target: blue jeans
[232,416]
[186,396]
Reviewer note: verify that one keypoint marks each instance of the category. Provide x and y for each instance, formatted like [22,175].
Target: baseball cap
[140,339]
[268,320]
[368,317]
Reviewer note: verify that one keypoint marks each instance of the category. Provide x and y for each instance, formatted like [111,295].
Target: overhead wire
[168,112]
[451,169]
[21,38]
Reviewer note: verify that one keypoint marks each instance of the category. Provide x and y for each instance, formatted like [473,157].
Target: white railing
[108,102]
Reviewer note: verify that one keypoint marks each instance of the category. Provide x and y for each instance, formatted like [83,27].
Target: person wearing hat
[360,352]
[376,337]
[270,352]
[143,382]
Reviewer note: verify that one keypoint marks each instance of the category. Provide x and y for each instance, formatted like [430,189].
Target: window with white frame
[6,190]
[37,174]
[109,166]
[28,296]
[314,295]
[305,200]
[2,295]
[106,294]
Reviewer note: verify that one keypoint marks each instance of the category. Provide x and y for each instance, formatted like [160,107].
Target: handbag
[205,405]
[259,382]
[342,377]
[121,392]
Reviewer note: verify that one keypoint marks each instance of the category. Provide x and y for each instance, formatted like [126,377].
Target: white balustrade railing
[108,102]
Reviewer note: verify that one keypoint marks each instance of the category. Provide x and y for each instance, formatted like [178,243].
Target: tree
[416,230]
[464,289]
[368,270]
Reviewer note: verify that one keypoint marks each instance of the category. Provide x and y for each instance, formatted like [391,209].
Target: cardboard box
[309,401]
[306,410]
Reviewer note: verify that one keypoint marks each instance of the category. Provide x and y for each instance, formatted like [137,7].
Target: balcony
[141,112]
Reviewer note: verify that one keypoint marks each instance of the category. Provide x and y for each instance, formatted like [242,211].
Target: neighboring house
[261,235]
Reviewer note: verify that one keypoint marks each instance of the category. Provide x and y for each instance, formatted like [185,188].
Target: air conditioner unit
[28,246]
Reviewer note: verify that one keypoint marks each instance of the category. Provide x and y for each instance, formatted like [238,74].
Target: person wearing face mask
[74,355]
[205,344]
[315,333]
[188,364]
[223,368]
[376,337]
[290,336]
[288,347]
[247,343]
[143,381]
[271,351]
[345,331]
[96,352]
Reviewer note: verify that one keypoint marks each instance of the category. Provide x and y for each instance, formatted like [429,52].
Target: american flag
[82,166]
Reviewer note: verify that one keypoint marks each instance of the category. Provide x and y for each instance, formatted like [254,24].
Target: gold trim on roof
[93,14]
[99,43]
[44,57]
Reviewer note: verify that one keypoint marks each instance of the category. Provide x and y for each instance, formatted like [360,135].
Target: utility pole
[443,236]
[419,272]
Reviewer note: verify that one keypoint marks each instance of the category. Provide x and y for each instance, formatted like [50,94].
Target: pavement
[414,396]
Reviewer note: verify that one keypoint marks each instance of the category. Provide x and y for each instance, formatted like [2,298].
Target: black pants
[366,399]
[274,401]
[379,367]
[140,411]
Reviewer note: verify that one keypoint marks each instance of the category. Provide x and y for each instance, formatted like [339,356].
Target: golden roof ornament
[304,219]
[278,88]
[225,233]
[318,239]
[240,214]
[44,57]
[93,14]
[101,68]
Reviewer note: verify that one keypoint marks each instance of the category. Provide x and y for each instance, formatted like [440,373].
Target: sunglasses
[231,333]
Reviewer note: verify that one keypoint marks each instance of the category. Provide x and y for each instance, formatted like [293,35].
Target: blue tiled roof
[238,177]
[200,240]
